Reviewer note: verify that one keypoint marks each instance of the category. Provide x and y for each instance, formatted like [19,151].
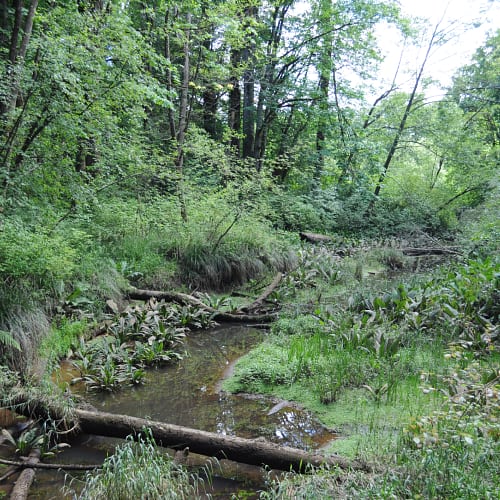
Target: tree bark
[17,54]
[183,120]
[40,465]
[249,113]
[234,113]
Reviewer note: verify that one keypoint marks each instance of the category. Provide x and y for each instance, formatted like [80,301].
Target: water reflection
[187,394]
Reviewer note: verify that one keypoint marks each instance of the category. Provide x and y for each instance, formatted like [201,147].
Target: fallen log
[314,237]
[25,479]
[250,451]
[417,252]
[263,296]
[40,465]
[184,298]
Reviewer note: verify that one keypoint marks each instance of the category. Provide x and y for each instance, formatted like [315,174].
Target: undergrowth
[409,375]
[139,470]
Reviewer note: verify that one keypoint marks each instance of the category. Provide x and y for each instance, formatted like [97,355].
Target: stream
[188,393]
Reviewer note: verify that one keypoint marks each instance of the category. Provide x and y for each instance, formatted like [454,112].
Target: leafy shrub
[63,334]
[461,303]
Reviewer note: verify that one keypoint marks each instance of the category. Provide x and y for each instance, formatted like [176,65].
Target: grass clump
[64,333]
[139,470]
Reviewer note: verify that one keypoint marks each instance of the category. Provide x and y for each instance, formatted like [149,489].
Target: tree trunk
[183,120]
[259,301]
[25,479]
[234,114]
[248,54]
[404,118]
[210,101]
[18,53]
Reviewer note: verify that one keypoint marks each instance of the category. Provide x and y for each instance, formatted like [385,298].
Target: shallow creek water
[188,394]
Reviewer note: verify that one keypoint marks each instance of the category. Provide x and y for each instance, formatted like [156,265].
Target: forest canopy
[157,139]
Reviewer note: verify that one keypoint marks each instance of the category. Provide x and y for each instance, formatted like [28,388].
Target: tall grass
[139,470]
[27,326]
[219,246]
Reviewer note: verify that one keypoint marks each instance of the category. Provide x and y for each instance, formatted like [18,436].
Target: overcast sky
[471,21]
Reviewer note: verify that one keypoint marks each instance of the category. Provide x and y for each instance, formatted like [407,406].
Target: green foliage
[8,340]
[139,470]
[458,303]
[379,354]
[63,334]
[139,336]
[34,255]
[451,453]
[267,366]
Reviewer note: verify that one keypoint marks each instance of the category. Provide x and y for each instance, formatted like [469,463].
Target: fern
[8,340]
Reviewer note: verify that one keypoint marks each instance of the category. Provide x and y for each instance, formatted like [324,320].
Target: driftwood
[416,252]
[25,479]
[314,237]
[184,298]
[249,451]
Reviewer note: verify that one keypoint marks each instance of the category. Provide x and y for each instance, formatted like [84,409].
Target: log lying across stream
[184,298]
[249,451]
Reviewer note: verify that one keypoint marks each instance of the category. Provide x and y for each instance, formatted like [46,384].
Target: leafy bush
[63,334]
[35,254]
[460,302]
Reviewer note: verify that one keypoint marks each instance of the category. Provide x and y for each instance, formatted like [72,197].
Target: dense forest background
[186,143]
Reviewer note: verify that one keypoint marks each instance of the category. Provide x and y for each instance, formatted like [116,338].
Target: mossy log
[259,301]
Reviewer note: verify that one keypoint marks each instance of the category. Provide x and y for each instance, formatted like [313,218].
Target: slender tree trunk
[265,109]
[325,70]
[4,22]
[17,54]
[248,109]
[249,113]
[404,118]
[183,120]
[170,112]
[210,102]
[234,114]
[14,39]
